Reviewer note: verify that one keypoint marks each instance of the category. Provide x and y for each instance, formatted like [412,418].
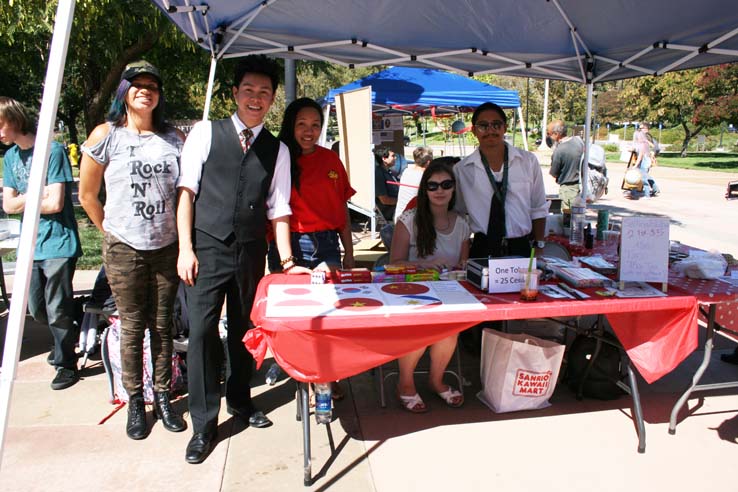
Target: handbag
[518,371]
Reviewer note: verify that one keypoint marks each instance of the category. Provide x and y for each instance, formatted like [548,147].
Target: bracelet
[290,267]
[287,260]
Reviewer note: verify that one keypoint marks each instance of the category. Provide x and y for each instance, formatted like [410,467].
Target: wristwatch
[540,244]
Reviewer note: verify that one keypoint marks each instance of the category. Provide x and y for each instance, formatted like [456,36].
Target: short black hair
[488,106]
[257,64]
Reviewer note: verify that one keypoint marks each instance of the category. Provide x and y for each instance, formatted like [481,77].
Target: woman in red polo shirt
[320,190]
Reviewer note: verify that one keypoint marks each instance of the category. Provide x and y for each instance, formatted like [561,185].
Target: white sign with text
[507,274]
[644,249]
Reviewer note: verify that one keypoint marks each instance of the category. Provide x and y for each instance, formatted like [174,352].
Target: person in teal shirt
[51,295]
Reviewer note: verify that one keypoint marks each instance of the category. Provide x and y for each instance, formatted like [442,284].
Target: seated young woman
[431,236]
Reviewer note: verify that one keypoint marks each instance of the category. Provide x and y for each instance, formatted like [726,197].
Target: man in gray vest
[235,176]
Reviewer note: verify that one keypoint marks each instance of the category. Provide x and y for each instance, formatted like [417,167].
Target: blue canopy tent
[424,91]
[416,90]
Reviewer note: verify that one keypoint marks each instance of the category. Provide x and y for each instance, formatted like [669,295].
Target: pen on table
[572,291]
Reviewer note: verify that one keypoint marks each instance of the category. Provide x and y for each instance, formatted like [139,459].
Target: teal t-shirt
[57,233]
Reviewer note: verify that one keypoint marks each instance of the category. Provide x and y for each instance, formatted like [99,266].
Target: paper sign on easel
[644,250]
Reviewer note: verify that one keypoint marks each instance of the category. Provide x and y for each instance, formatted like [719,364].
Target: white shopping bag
[519,371]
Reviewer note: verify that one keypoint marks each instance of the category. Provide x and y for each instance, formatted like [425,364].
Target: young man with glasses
[501,188]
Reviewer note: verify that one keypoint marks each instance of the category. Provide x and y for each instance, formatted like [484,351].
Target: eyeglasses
[149,87]
[446,184]
[485,127]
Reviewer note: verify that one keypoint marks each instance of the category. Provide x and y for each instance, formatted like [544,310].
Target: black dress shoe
[252,417]
[199,447]
[259,420]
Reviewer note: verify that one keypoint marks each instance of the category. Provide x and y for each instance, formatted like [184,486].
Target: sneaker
[50,357]
[64,378]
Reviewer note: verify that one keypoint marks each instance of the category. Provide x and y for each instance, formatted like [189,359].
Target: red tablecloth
[658,333]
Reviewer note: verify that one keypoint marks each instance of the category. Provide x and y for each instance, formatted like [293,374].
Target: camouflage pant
[144,285]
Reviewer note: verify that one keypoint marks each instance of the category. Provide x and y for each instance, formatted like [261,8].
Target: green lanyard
[501,191]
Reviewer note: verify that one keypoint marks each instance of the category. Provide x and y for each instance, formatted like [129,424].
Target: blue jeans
[310,249]
[51,302]
[649,184]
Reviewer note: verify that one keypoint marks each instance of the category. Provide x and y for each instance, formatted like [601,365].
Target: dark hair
[426,233]
[488,106]
[257,64]
[16,115]
[287,133]
[117,113]
[451,160]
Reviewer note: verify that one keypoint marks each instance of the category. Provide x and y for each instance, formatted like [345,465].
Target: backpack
[112,362]
[606,371]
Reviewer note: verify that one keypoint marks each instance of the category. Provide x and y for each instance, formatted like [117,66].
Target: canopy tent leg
[587,122]
[522,128]
[324,130]
[209,93]
[36,180]
[544,121]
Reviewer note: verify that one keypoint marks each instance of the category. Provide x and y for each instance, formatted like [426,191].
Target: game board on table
[357,299]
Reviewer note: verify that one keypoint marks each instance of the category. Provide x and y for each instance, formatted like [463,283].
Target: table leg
[2,286]
[700,370]
[637,409]
[305,417]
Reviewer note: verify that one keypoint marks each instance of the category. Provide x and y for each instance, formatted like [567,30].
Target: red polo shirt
[320,202]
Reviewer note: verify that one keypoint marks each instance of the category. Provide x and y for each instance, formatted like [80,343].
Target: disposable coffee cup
[529,287]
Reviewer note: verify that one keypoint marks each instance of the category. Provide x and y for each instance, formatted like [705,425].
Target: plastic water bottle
[578,209]
[323,412]
[273,374]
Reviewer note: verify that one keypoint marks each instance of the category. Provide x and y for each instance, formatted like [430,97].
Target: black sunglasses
[446,184]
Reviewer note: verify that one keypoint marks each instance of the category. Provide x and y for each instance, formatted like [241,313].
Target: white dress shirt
[525,197]
[197,149]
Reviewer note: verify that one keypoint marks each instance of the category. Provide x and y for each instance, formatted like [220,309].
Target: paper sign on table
[644,250]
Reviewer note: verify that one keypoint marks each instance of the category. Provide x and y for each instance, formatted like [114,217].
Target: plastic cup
[529,287]
[611,237]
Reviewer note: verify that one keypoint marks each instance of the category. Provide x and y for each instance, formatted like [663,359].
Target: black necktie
[496,224]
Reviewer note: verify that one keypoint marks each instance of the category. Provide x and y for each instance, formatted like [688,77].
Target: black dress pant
[228,271]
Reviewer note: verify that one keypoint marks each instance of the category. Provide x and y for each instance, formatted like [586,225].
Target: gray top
[566,161]
[141,172]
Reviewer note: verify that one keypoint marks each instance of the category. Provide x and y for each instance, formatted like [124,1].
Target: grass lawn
[703,161]
[90,237]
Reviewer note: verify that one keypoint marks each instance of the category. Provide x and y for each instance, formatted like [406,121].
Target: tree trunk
[688,135]
[70,120]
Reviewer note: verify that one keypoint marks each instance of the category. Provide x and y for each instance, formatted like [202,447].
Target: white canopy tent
[586,42]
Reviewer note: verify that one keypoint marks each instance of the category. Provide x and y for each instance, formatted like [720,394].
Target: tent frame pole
[209,92]
[31,214]
[587,143]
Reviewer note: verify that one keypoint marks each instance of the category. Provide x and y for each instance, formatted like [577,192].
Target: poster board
[644,250]
[354,114]
[314,300]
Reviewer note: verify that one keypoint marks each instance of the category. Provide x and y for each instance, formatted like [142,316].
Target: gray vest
[234,186]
